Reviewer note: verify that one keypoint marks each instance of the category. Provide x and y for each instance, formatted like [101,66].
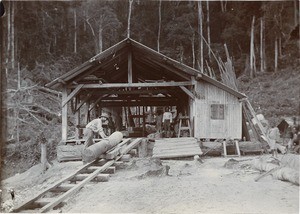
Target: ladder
[183,128]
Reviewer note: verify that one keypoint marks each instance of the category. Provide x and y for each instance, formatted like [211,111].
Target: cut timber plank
[177,155]
[109,170]
[75,188]
[174,140]
[136,85]
[99,178]
[183,151]
[63,188]
[132,145]
[43,201]
[176,147]
[119,164]
[51,188]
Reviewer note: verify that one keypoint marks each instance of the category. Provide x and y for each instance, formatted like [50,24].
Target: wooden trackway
[96,171]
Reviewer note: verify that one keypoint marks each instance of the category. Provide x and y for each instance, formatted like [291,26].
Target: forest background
[42,40]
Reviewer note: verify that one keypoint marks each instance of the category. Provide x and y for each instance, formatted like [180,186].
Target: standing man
[94,127]
[167,120]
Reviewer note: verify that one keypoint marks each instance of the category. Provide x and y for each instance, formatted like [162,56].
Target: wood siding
[204,125]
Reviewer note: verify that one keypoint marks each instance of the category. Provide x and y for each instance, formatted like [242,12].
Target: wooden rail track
[96,171]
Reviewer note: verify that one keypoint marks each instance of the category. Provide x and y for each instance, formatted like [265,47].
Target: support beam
[95,103]
[86,112]
[129,67]
[136,85]
[72,94]
[77,121]
[190,94]
[64,116]
[83,101]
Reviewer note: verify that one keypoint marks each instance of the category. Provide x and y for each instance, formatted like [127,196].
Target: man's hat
[103,115]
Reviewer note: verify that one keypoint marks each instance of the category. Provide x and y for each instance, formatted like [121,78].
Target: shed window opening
[217,111]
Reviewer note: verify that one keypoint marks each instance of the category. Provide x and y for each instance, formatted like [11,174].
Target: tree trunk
[17,111]
[100,38]
[252,65]
[129,16]
[94,35]
[13,35]
[222,7]
[262,46]
[8,47]
[193,49]
[279,39]
[94,151]
[276,56]
[200,35]
[159,26]
[45,164]
[75,31]
[295,13]
[208,30]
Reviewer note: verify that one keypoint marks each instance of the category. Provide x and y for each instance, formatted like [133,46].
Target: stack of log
[286,169]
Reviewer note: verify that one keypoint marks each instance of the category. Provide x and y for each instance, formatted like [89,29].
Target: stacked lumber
[176,147]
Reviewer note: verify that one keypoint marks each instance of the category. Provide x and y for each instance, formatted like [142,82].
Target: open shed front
[132,81]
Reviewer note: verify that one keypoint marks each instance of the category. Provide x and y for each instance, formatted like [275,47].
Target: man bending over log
[94,127]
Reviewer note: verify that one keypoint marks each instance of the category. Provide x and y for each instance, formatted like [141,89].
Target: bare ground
[190,187]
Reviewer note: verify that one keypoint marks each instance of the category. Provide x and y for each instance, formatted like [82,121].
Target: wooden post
[261,46]
[86,112]
[130,67]
[224,149]
[45,164]
[64,116]
[237,148]
[77,119]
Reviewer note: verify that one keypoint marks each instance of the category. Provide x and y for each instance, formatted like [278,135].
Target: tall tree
[208,29]
[200,17]
[159,25]
[129,18]
[102,21]
[252,50]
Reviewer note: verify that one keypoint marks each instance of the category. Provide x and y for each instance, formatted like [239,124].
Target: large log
[94,151]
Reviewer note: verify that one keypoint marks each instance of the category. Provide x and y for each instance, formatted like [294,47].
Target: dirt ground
[190,187]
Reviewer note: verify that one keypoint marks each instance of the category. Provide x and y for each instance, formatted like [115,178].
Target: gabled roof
[111,66]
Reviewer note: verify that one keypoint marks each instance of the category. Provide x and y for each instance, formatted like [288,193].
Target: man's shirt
[167,116]
[95,125]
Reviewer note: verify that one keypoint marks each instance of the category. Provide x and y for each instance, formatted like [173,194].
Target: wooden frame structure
[131,74]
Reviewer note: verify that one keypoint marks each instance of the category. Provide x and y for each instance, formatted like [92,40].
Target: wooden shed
[131,74]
